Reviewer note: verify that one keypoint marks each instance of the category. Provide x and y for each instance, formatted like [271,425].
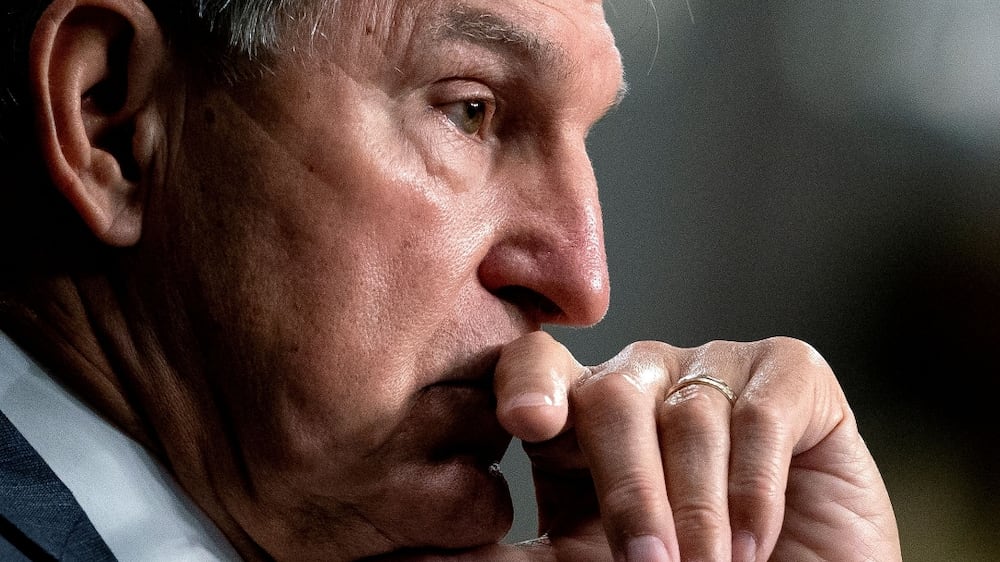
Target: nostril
[531,302]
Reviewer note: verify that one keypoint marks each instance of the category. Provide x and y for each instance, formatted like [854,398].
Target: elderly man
[277,276]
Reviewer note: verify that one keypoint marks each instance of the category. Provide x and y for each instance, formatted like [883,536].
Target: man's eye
[469,116]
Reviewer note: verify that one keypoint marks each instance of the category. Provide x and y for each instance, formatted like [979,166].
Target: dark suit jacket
[39,517]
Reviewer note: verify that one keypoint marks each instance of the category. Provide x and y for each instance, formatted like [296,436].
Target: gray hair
[254,28]
[228,36]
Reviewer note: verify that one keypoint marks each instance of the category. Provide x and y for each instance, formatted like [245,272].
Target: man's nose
[549,258]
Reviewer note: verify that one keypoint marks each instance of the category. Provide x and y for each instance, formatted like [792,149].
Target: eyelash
[471,117]
[470,110]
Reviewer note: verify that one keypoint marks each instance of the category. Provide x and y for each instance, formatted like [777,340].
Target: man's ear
[94,66]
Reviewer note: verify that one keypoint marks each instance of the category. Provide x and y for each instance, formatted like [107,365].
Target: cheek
[321,281]
[370,308]
[324,286]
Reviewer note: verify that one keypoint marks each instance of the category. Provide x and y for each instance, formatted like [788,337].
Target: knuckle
[757,487]
[690,409]
[646,348]
[719,356]
[793,351]
[605,387]
[761,420]
[639,355]
[703,516]
[719,348]
[632,493]
[711,353]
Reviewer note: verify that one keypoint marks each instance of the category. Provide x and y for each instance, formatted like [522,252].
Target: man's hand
[620,461]
[781,474]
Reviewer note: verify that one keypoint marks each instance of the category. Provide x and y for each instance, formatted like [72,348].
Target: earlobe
[94,65]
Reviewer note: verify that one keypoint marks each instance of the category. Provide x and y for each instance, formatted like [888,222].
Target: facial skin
[302,286]
[341,250]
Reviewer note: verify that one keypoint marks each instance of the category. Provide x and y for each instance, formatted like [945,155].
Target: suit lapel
[38,515]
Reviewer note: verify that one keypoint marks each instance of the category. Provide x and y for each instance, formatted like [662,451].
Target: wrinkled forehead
[386,17]
[554,33]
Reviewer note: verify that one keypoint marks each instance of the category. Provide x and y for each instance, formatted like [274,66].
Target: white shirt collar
[135,505]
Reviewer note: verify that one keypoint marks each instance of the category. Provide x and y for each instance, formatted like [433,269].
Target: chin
[460,502]
[449,491]
[434,486]
[453,504]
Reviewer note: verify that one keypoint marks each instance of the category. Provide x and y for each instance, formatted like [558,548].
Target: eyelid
[451,91]
[457,89]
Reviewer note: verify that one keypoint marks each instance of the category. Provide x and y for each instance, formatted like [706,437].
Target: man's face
[343,247]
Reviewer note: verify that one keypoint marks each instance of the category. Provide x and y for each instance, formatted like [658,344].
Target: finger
[531,381]
[694,440]
[837,502]
[616,429]
[770,421]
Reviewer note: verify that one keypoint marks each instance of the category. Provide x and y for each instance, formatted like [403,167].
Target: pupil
[474,115]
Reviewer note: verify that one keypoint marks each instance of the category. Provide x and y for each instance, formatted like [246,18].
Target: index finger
[531,384]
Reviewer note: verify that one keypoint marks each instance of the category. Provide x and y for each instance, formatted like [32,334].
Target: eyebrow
[498,33]
[495,32]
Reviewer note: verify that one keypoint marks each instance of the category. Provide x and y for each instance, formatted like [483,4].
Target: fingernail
[744,547]
[646,548]
[529,400]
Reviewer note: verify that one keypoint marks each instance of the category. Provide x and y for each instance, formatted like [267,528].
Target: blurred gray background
[828,171]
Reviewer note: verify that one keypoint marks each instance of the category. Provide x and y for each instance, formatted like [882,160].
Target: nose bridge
[572,201]
[578,264]
[555,241]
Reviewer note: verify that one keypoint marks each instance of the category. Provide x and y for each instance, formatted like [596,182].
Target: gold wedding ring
[704,380]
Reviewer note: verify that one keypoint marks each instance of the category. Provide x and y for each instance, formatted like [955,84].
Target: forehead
[556,34]
[388,17]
